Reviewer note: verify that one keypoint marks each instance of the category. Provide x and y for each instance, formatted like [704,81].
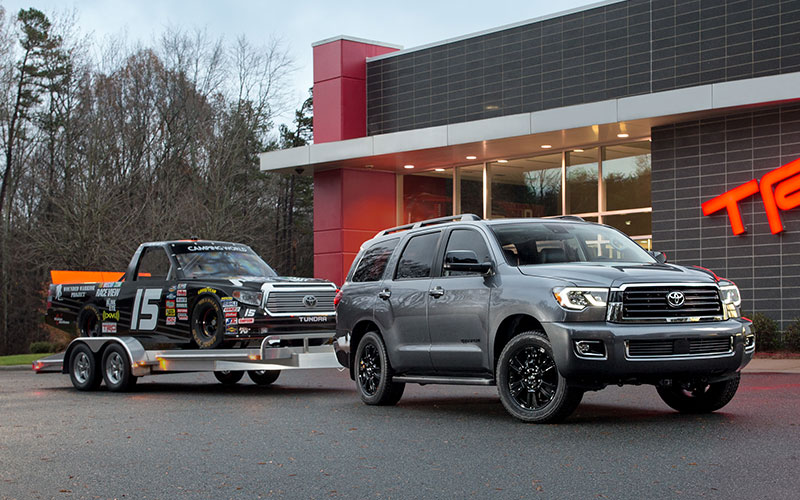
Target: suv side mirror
[660,257]
[465,261]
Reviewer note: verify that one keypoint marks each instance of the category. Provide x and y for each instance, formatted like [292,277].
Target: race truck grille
[678,347]
[671,303]
[301,301]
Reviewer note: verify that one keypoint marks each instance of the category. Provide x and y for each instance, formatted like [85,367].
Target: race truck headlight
[246,297]
[578,299]
[730,294]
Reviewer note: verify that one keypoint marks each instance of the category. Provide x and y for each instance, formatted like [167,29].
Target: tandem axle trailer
[120,361]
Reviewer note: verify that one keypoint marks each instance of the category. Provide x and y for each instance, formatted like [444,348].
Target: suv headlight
[730,294]
[578,299]
[247,297]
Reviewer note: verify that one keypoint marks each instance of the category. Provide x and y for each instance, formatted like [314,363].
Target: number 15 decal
[145,314]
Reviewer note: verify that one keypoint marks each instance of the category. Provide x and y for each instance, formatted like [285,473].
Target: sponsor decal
[169,312]
[230,309]
[181,286]
[183,317]
[58,292]
[246,321]
[217,248]
[77,295]
[230,321]
[244,330]
[235,282]
[78,288]
[231,315]
[231,330]
[183,310]
[226,298]
[171,295]
[60,320]
[249,313]
[229,303]
[111,315]
[171,304]
[181,300]
[264,331]
[313,319]
[107,292]
[171,289]
[170,320]
[111,304]
[785,196]
[181,293]
[109,328]
[207,290]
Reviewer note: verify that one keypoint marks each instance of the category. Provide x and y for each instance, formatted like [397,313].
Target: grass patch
[21,359]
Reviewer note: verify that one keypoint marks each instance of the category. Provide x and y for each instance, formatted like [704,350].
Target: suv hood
[605,275]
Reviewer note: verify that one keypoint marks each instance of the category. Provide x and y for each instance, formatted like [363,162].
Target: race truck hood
[604,275]
[258,282]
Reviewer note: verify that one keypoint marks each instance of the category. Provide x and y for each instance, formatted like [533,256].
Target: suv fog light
[750,342]
[590,349]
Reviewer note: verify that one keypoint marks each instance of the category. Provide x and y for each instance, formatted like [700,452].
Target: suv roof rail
[429,222]
[570,217]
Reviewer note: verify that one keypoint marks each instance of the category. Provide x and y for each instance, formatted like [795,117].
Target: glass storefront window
[427,195]
[626,176]
[582,180]
[471,189]
[527,187]
[636,224]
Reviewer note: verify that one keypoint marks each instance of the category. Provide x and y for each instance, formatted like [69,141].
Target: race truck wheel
[699,397]
[208,323]
[117,372]
[83,369]
[229,377]
[530,387]
[373,373]
[264,377]
[89,321]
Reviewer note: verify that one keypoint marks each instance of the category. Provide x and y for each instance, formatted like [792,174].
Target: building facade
[675,121]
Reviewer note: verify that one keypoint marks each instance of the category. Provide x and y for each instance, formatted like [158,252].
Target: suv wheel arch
[359,330]
[509,328]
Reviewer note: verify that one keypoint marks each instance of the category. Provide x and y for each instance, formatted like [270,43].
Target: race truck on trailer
[191,305]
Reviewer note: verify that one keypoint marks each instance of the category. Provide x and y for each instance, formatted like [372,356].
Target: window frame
[170,272]
[486,242]
[434,257]
[386,266]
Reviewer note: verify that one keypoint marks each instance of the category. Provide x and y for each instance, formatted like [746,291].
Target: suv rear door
[458,309]
[402,312]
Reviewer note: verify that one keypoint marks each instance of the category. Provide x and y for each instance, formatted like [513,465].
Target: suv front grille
[678,347]
[649,303]
[292,302]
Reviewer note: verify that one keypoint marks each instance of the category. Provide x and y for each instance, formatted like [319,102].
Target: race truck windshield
[220,261]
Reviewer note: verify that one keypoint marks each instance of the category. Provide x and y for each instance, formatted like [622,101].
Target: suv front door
[458,310]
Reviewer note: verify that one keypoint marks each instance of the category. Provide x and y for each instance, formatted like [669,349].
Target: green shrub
[768,336]
[42,347]
[791,336]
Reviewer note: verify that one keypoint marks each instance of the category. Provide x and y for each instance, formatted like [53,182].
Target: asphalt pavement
[309,436]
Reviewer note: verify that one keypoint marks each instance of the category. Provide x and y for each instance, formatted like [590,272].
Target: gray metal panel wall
[616,50]
[695,161]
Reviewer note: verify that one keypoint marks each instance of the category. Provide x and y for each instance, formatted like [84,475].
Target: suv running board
[421,379]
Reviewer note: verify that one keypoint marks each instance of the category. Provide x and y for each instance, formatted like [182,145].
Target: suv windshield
[552,243]
[222,262]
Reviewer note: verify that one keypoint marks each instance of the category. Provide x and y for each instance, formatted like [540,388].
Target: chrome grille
[679,347]
[648,303]
[291,302]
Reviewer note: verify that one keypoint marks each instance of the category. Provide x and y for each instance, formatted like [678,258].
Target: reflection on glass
[427,196]
[631,224]
[472,189]
[626,175]
[581,181]
[527,187]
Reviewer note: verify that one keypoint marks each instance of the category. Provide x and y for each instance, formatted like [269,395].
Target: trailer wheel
[83,370]
[229,377]
[89,321]
[208,323]
[117,372]
[263,377]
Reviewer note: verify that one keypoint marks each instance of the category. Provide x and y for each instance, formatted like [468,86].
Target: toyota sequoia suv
[545,309]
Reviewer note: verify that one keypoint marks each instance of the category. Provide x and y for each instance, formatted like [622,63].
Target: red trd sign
[784,196]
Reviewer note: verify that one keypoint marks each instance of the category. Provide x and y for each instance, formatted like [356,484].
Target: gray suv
[546,309]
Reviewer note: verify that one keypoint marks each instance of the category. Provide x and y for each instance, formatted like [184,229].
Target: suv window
[417,258]
[467,239]
[153,265]
[374,261]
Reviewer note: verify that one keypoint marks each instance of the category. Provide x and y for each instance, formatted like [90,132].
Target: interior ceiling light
[408,166]
[623,135]
[438,169]
[470,157]
[577,151]
[546,146]
[502,161]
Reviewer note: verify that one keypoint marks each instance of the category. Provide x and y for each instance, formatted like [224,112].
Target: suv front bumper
[617,366]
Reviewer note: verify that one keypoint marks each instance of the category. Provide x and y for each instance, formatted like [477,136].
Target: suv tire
[529,384]
[692,397]
[373,373]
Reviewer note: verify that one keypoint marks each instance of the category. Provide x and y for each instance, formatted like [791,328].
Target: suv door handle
[436,292]
[385,294]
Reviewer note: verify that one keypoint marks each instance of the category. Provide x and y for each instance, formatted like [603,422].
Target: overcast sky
[409,23]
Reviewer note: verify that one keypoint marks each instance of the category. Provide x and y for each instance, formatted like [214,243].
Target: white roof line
[356,39]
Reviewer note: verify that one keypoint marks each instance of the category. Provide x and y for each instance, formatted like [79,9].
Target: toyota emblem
[675,299]
[309,301]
